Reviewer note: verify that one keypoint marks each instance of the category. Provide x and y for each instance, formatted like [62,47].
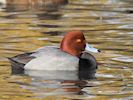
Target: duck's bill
[91,49]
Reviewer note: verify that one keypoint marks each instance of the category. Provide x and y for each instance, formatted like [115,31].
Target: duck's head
[74,43]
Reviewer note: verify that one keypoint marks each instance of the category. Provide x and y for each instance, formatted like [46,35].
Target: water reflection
[107,25]
[44,88]
[23,5]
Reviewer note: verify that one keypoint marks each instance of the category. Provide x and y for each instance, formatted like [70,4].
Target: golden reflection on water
[107,25]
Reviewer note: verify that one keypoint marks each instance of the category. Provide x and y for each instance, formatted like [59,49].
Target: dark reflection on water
[47,5]
[107,25]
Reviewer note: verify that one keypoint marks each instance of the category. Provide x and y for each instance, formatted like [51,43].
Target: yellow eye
[78,40]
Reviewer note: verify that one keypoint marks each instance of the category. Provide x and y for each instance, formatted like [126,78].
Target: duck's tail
[16,67]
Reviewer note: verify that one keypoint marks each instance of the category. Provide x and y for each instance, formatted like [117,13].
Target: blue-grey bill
[91,48]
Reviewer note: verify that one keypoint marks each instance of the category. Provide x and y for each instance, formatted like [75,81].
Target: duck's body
[69,57]
[52,58]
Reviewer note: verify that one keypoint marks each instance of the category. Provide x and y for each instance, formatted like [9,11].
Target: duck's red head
[73,43]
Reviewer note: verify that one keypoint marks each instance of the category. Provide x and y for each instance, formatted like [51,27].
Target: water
[107,25]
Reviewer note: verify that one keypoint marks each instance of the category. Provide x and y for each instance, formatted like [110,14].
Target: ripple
[107,24]
[108,76]
[129,26]
[130,33]
[123,59]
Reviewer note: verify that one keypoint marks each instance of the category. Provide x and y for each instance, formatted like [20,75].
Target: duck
[73,54]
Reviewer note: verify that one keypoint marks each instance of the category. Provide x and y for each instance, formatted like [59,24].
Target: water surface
[107,25]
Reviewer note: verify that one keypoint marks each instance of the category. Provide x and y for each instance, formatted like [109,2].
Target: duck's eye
[78,40]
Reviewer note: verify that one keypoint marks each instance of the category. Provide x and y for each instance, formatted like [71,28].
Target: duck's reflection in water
[49,83]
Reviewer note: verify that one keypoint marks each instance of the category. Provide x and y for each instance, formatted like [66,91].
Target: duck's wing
[18,62]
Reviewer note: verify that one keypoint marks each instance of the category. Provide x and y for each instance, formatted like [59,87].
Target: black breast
[87,66]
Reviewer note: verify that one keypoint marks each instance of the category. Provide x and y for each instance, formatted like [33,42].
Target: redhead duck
[72,55]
